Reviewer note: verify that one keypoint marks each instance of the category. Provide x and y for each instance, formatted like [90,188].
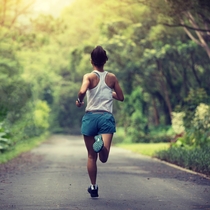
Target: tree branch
[199,34]
[186,26]
[4,12]
[20,12]
[192,37]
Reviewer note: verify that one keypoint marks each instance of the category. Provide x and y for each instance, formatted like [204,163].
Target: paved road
[53,176]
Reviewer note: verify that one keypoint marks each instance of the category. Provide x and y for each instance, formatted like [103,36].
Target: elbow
[121,98]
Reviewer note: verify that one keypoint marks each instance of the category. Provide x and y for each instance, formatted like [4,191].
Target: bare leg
[104,154]
[92,159]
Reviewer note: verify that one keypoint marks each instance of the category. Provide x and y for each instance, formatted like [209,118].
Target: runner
[98,123]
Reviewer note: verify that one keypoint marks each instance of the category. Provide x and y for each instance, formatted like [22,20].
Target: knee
[92,157]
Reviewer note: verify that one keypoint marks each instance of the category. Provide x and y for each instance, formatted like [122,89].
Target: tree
[162,60]
[10,13]
[191,15]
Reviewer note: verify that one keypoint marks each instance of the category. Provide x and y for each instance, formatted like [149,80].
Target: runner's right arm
[83,89]
[118,93]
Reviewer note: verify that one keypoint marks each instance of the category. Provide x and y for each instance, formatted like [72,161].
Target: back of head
[99,56]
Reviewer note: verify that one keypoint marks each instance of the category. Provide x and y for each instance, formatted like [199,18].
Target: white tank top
[100,97]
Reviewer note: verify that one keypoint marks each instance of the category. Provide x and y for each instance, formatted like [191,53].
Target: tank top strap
[99,74]
[96,73]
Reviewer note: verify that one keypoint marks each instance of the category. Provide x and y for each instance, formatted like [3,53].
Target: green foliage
[194,121]
[144,148]
[178,122]
[196,159]
[41,115]
[194,98]
[23,146]
[199,131]
[151,139]
[5,141]
[154,135]
[67,118]
[42,64]
[191,15]
[160,134]
[136,122]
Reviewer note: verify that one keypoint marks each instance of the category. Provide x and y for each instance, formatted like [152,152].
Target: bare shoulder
[112,76]
[111,80]
[87,76]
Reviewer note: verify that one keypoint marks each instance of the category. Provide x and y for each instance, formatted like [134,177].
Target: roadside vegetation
[195,159]
[149,149]
[159,50]
[22,147]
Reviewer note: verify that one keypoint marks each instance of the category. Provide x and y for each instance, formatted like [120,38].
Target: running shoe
[99,144]
[93,190]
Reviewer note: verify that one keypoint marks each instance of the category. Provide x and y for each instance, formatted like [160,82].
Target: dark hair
[98,56]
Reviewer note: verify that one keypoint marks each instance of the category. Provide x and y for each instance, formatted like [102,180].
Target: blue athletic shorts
[95,123]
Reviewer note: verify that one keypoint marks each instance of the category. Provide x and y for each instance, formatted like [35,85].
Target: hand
[78,104]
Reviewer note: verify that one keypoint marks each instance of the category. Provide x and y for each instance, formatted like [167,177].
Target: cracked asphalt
[54,176]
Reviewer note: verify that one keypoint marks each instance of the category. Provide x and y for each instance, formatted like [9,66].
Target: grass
[22,147]
[148,149]
[195,159]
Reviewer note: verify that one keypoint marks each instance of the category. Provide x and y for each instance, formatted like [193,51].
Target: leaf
[8,141]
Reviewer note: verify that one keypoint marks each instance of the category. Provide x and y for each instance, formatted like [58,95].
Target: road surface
[53,176]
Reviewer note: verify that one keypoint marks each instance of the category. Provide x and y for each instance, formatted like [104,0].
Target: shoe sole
[93,195]
[98,145]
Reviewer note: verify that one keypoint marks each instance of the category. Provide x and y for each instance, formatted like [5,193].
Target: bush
[193,100]
[119,136]
[192,119]
[41,115]
[32,121]
[155,135]
[198,134]
[5,141]
[196,159]
[151,139]
[201,125]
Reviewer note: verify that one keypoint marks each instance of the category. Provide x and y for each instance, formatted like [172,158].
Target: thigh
[89,140]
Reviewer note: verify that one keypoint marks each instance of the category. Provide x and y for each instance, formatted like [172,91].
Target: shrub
[178,122]
[194,98]
[196,159]
[201,125]
[198,134]
[33,121]
[5,141]
[153,135]
[41,117]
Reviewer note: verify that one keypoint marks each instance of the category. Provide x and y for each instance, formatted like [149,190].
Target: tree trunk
[165,110]
[185,81]
[156,114]
[164,88]
[194,71]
